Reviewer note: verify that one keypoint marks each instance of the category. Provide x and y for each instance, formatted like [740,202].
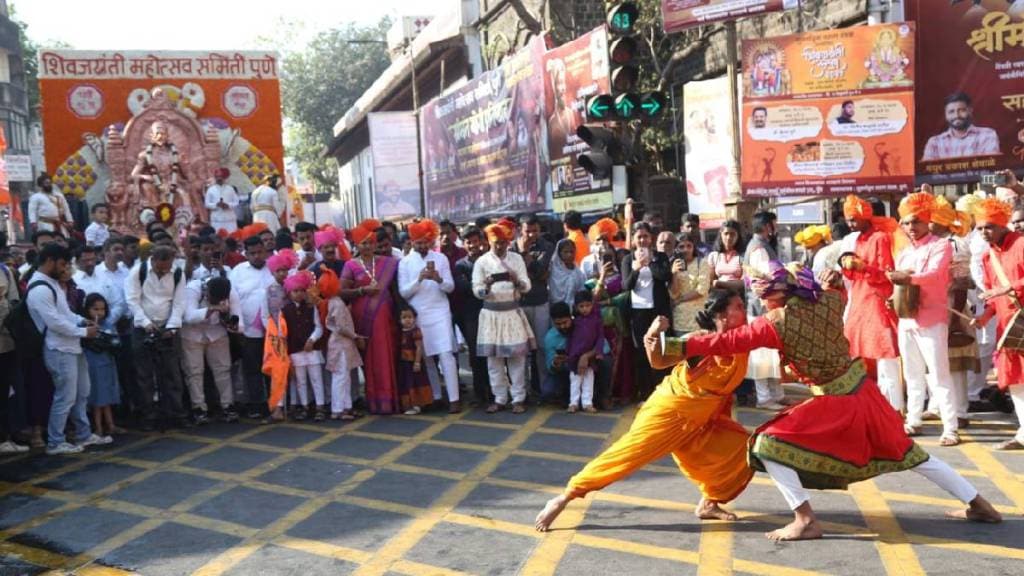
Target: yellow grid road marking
[893,546]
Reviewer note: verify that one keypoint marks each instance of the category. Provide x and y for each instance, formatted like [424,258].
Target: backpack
[144,271]
[27,337]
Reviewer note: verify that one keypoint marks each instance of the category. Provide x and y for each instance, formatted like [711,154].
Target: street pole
[734,109]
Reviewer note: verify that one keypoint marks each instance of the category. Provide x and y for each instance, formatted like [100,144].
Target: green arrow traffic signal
[626,106]
[652,104]
[600,107]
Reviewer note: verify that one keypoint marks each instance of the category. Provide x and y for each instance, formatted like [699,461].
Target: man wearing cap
[221,201]
[425,280]
[870,323]
[924,338]
[1003,290]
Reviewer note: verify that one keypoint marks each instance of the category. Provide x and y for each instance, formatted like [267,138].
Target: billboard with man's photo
[970,96]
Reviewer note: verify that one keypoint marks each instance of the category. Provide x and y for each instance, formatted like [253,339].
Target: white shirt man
[160,302]
[250,280]
[221,201]
[425,280]
[205,335]
[267,207]
[96,233]
[49,211]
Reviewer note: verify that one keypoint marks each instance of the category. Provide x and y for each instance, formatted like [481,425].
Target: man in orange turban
[425,281]
[1003,267]
[870,322]
[923,334]
[602,233]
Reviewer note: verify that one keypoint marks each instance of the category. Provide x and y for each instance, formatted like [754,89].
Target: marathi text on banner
[681,14]
[829,113]
[482,145]
[711,167]
[970,96]
[395,166]
[74,64]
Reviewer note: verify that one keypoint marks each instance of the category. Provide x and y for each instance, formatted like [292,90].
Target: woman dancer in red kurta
[846,432]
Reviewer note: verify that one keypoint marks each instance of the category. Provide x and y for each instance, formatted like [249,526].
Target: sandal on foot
[495,408]
[950,439]
[911,430]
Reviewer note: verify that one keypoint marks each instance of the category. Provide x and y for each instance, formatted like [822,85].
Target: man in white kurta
[504,335]
[221,201]
[266,204]
[48,210]
[425,280]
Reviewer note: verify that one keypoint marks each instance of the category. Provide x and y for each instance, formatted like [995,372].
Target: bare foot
[710,510]
[551,511]
[979,510]
[796,530]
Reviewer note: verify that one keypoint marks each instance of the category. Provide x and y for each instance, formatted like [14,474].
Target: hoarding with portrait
[396,183]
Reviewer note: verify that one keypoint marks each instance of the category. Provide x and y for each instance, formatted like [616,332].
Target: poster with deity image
[711,167]
[970,97]
[829,113]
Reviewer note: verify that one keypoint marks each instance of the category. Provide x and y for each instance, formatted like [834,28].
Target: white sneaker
[63,448]
[94,440]
[10,447]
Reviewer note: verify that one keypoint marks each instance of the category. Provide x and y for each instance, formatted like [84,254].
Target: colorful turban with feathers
[993,211]
[945,215]
[784,281]
[920,205]
[604,228]
[299,281]
[813,236]
[284,259]
[424,229]
[499,231]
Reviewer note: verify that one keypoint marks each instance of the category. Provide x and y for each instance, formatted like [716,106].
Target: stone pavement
[440,494]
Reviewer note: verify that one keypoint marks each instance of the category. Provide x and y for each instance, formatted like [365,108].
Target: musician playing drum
[1004,291]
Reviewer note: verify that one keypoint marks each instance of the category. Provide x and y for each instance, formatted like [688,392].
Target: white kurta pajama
[430,299]
[266,206]
[222,218]
[45,210]
[504,336]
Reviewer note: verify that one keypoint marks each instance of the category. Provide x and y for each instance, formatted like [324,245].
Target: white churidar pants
[500,384]
[927,350]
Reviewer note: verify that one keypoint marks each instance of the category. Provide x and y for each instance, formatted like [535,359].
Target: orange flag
[276,362]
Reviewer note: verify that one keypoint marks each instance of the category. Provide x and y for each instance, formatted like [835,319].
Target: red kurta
[871,324]
[1009,363]
[847,431]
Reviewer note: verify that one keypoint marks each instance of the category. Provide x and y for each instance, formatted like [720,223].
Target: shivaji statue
[159,173]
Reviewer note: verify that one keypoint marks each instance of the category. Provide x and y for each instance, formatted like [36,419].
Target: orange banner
[828,113]
[225,110]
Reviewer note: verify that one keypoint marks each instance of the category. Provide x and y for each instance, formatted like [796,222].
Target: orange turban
[945,215]
[253,230]
[499,231]
[855,208]
[425,229]
[328,283]
[365,229]
[604,228]
[919,204]
[992,211]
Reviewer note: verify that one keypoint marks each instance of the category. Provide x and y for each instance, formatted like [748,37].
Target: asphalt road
[439,494]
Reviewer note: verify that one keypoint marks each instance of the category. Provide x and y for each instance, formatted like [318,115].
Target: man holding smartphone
[536,253]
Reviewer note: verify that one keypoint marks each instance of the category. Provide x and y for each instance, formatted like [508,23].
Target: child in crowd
[304,329]
[586,344]
[97,233]
[276,361]
[342,346]
[105,391]
[414,390]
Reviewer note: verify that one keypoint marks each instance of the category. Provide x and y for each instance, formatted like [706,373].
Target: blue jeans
[70,375]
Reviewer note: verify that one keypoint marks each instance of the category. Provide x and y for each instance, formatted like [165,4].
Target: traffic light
[622,48]
[652,104]
[622,18]
[627,106]
[604,148]
[600,107]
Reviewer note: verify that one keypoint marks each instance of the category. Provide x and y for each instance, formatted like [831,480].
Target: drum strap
[997,267]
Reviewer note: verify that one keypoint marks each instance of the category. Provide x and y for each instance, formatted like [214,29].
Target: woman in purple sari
[368,283]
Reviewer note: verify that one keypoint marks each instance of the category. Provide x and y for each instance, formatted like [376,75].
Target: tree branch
[678,57]
[532,23]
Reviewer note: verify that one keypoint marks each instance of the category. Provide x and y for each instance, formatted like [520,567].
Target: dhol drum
[906,298]
[1013,338]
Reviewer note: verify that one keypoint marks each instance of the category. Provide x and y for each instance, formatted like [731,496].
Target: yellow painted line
[424,471]
[32,555]
[893,547]
[381,505]
[114,542]
[715,550]
[229,558]
[395,548]
[520,485]
[577,433]
[459,445]
[376,436]
[764,569]
[215,525]
[96,570]
[1005,481]
[323,549]
[553,456]
[947,503]
[545,557]
[417,569]
[492,524]
[486,424]
[971,547]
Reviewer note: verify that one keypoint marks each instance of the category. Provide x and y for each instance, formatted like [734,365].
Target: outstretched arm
[758,334]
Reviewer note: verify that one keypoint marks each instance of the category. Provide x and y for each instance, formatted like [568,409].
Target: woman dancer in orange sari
[688,416]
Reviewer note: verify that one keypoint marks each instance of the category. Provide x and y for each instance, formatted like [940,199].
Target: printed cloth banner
[970,96]
[483,144]
[396,182]
[711,167]
[573,72]
[829,113]
[681,14]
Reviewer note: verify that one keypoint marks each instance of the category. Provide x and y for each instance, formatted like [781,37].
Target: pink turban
[327,236]
[300,281]
[286,259]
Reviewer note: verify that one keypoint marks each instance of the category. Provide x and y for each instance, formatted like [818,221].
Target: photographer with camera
[156,296]
[212,310]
